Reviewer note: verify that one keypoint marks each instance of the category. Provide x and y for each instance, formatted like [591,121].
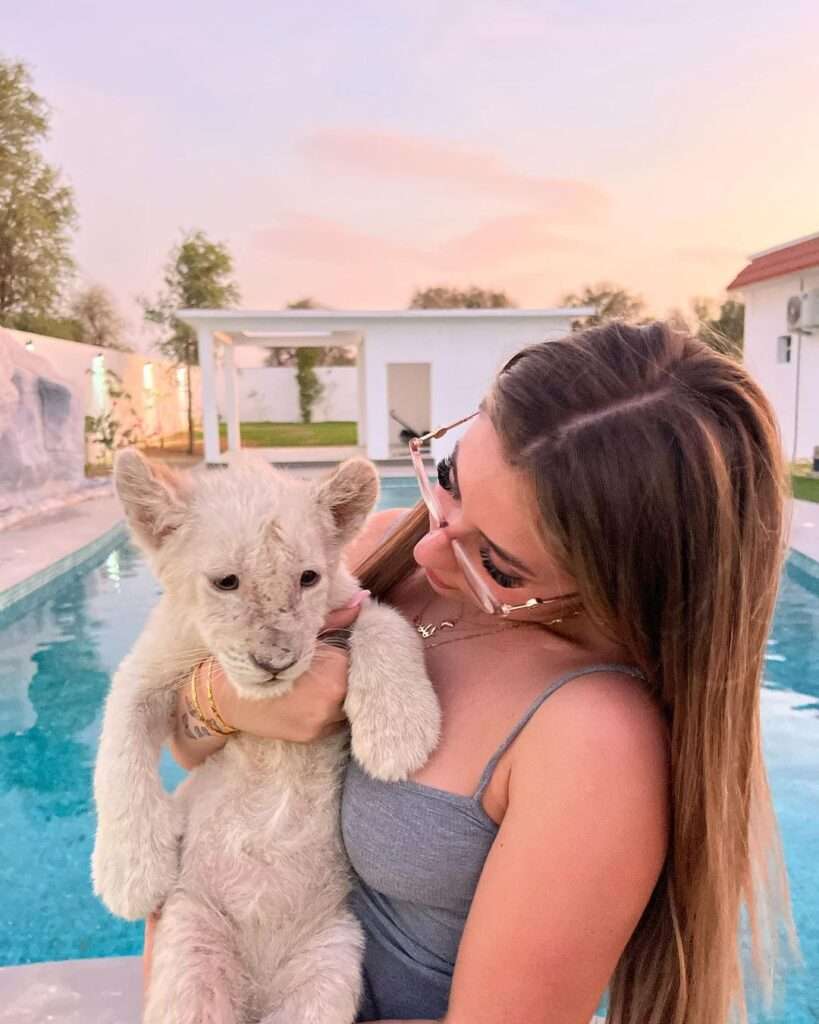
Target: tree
[328,355]
[610,300]
[723,332]
[310,387]
[305,361]
[36,210]
[197,276]
[445,297]
[98,318]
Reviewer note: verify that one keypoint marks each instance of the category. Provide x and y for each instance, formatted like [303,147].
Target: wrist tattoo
[191,724]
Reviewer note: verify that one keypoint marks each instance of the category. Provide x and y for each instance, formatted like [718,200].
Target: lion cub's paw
[134,872]
[391,746]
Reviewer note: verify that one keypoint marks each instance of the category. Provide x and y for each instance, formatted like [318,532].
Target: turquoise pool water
[56,659]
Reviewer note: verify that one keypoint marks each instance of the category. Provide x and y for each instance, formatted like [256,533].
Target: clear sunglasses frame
[477,585]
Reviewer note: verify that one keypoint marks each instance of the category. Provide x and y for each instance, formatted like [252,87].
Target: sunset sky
[355,151]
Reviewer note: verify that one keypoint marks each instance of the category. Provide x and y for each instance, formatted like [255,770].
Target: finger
[331,728]
[347,615]
[148,950]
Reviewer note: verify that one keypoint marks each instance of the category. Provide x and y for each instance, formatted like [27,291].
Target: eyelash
[444,471]
[500,577]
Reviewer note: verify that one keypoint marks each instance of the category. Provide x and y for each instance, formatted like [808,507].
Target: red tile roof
[777,262]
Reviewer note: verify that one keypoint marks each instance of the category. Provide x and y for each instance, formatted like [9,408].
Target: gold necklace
[430,630]
[432,644]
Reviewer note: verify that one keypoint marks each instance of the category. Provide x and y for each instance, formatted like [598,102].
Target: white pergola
[461,350]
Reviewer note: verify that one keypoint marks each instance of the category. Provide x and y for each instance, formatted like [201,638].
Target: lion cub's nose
[268,666]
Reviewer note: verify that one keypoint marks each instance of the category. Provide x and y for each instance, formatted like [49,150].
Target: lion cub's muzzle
[270,666]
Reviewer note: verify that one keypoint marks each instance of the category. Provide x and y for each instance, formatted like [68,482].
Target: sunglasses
[437,520]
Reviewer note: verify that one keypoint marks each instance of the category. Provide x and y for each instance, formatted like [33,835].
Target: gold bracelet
[197,710]
[216,719]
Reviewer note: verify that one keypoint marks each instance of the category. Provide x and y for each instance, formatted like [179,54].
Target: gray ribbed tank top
[417,853]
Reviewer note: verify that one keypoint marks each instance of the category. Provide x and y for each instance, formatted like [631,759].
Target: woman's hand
[312,709]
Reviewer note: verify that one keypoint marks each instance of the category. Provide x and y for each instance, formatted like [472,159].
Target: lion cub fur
[245,858]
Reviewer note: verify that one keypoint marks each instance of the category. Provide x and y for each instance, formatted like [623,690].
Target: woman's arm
[579,851]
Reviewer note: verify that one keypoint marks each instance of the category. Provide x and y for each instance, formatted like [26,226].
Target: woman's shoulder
[610,711]
[598,749]
[600,729]
[376,530]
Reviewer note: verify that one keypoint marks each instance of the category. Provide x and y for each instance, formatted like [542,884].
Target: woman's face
[489,508]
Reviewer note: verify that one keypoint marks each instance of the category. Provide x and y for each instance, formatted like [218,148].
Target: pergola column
[231,399]
[210,413]
[361,394]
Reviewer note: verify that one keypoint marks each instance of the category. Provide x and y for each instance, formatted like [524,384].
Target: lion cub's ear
[155,498]
[350,494]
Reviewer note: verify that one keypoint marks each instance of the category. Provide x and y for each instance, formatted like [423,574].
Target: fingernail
[357,599]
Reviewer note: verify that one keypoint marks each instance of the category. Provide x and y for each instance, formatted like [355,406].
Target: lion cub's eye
[309,578]
[227,583]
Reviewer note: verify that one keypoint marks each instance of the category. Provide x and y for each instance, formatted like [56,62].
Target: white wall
[764,322]
[271,393]
[160,406]
[464,354]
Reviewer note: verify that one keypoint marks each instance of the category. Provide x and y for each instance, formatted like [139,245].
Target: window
[783,348]
[99,384]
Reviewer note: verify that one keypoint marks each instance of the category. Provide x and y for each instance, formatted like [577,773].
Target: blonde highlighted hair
[657,468]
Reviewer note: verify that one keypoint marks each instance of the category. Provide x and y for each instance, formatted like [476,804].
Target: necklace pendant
[426,629]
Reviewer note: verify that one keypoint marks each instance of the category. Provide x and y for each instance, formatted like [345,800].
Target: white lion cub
[246,858]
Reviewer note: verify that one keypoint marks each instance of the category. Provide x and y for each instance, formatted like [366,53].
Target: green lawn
[805,487]
[295,435]
[265,435]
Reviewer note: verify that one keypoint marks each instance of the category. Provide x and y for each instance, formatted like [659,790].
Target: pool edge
[14,596]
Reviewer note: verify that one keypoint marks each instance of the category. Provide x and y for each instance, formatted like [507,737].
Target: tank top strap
[628,670]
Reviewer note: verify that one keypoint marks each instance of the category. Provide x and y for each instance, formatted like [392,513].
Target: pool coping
[23,595]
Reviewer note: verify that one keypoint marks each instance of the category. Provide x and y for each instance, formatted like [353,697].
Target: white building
[780,287]
[428,366]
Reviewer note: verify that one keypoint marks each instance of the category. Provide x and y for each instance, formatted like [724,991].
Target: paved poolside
[73,992]
[36,544]
[804,528]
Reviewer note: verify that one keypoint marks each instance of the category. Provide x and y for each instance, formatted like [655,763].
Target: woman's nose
[434,546]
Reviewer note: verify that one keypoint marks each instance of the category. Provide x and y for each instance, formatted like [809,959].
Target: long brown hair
[656,466]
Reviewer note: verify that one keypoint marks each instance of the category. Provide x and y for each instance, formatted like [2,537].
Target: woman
[594,580]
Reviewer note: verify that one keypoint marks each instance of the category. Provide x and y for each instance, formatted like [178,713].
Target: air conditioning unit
[802,312]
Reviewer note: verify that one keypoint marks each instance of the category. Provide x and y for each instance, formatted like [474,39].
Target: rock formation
[42,448]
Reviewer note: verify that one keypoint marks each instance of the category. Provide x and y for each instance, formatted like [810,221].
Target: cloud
[507,243]
[344,266]
[410,158]
[323,240]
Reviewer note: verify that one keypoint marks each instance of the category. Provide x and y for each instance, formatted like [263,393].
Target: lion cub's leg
[394,714]
[321,982]
[196,975]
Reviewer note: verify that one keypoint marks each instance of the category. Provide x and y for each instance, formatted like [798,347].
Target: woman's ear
[350,495]
[155,498]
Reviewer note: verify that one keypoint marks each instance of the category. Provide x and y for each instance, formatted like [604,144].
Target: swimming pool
[56,659]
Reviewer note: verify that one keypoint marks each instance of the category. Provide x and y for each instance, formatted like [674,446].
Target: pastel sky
[355,151]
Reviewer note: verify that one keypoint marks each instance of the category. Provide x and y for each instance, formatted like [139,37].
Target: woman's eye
[445,478]
[498,575]
[309,578]
[227,583]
